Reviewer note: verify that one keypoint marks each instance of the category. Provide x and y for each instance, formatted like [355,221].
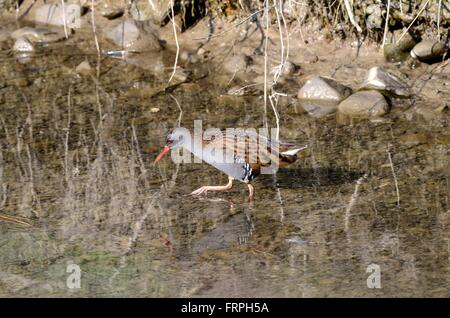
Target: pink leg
[205,189]
[251,191]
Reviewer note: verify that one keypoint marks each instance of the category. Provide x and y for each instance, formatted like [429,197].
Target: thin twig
[66,141]
[280,201]
[29,120]
[288,44]
[277,116]
[15,219]
[238,90]
[229,29]
[64,18]
[179,107]
[18,150]
[414,20]
[138,151]
[266,15]
[172,18]
[17,10]
[4,185]
[439,20]
[31,182]
[279,71]
[280,68]
[94,30]
[386,25]
[99,104]
[349,9]
[395,178]
[352,201]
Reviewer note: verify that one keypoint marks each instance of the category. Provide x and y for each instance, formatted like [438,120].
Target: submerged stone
[429,50]
[364,104]
[124,34]
[23,45]
[132,35]
[325,89]
[39,35]
[381,80]
[24,50]
[320,96]
[404,41]
[318,108]
[393,54]
[399,45]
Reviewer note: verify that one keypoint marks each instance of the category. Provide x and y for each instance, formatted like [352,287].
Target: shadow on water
[309,177]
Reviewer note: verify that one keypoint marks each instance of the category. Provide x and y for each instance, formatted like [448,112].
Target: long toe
[196,192]
[199,191]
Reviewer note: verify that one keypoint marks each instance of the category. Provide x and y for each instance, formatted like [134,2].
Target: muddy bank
[230,45]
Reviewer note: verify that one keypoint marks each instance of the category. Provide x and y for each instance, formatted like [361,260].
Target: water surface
[75,160]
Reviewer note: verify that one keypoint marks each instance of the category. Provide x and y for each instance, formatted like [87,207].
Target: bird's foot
[251,192]
[205,189]
[201,190]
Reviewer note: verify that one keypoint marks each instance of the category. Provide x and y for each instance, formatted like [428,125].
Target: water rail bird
[245,154]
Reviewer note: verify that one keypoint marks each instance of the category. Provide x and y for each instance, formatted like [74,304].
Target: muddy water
[76,169]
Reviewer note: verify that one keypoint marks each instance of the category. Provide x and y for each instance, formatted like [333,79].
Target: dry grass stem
[172,19]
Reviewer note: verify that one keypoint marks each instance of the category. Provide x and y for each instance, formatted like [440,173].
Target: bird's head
[176,138]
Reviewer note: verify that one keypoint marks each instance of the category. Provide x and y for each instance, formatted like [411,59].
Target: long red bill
[161,154]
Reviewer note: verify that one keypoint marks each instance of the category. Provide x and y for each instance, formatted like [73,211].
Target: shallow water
[76,160]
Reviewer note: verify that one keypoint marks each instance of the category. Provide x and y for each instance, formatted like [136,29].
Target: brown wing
[250,147]
[253,148]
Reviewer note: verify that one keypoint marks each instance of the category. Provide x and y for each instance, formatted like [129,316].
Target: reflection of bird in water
[244,154]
